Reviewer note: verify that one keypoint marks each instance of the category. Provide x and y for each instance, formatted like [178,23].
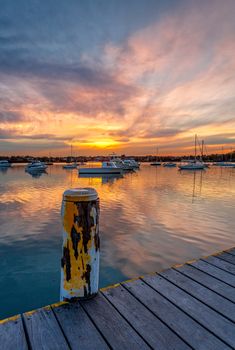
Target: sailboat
[193,164]
[207,165]
[224,163]
[71,165]
[156,163]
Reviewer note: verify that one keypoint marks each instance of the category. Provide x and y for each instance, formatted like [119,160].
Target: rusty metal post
[81,244]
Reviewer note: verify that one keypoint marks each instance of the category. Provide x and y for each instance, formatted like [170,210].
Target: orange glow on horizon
[164,83]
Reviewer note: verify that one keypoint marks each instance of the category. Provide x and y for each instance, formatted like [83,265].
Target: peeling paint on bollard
[81,244]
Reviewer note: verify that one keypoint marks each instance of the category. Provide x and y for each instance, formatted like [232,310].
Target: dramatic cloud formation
[116,75]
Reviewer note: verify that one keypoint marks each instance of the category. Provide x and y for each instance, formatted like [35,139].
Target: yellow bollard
[81,244]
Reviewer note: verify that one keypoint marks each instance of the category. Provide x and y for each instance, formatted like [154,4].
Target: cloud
[10,117]
[14,134]
[143,82]
[5,134]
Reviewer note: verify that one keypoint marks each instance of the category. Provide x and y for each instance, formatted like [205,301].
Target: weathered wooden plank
[208,281]
[215,272]
[211,320]
[115,329]
[215,301]
[78,328]
[227,257]
[222,264]
[156,333]
[12,336]
[44,331]
[183,325]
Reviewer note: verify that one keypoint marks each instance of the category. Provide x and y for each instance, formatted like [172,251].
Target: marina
[117,175]
[191,306]
[151,219]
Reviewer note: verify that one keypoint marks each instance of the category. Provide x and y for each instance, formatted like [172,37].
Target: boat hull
[169,165]
[70,167]
[188,167]
[5,165]
[229,165]
[156,164]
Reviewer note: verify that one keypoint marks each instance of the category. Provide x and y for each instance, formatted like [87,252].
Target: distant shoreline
[230,156]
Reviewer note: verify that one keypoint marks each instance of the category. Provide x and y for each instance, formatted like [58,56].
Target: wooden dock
[191,306]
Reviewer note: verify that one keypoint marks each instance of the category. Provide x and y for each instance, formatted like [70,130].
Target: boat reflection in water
[37,174]
[105,178]
[3,170]
[150,219]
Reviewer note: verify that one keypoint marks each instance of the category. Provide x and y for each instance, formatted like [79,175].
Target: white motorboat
[131,163]
[36,166]
[120,163]
[70,166]
[169,165]
[106,168]
[195,165]
[126,165]
[5,164]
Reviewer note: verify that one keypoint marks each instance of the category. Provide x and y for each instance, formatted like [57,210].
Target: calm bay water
[150,220]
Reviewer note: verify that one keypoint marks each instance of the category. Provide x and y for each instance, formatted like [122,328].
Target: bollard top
[80,194]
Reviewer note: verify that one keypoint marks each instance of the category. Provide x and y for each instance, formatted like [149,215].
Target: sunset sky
[116,75]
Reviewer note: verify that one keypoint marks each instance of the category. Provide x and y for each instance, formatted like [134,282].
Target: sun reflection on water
[150,219]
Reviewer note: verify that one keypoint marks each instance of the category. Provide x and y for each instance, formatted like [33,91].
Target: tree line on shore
[215,157]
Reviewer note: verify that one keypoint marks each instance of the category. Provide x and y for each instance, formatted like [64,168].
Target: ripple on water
[150,220]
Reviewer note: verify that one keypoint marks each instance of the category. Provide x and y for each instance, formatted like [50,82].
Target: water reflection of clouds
[147,212]
[148,219]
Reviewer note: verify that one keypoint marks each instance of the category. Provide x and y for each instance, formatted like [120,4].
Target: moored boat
[156,163]
[106,168]
[36,166]
[70,166]
[5,164]
[225,164]
[131,163]
[72,163]
[169,165]
[126,166]
[194,164]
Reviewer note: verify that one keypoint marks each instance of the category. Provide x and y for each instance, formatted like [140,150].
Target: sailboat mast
[202,148]
[195,147]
